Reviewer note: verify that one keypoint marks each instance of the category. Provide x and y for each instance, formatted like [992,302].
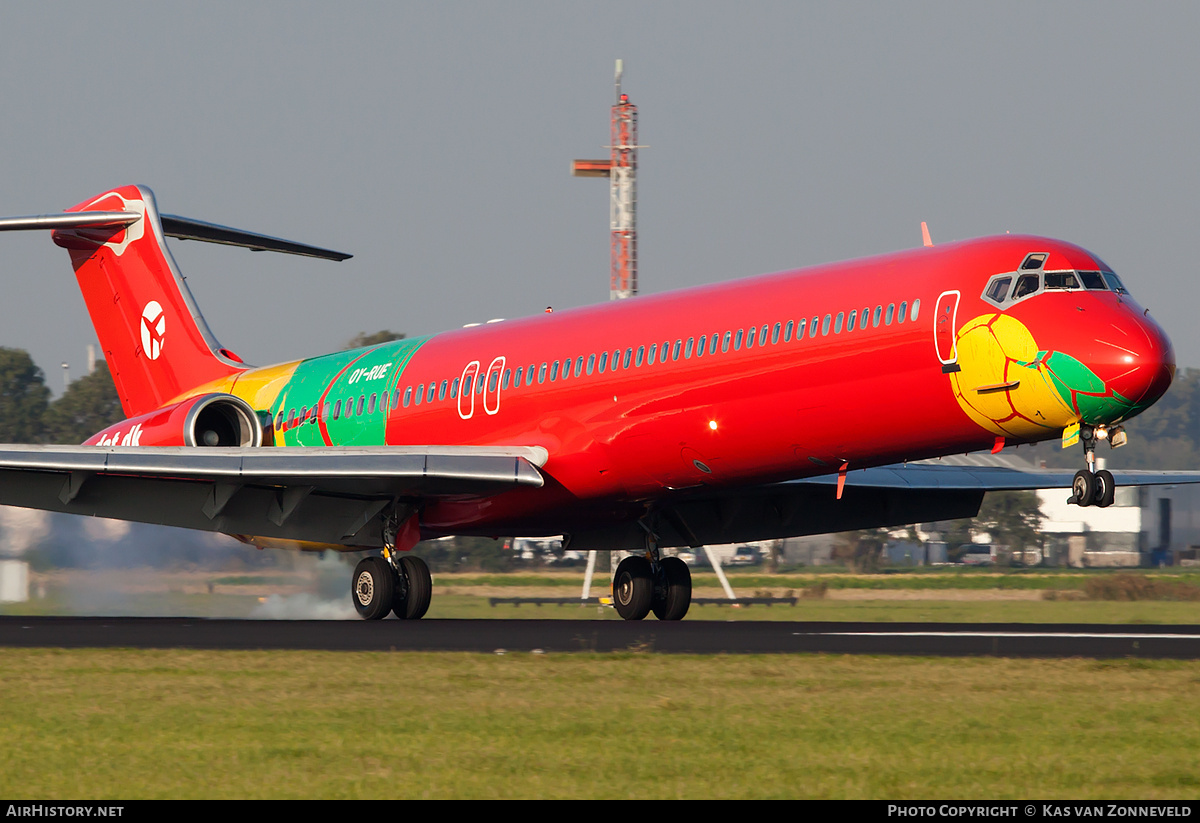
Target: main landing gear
[1091,487]
[651,583]
[387,584]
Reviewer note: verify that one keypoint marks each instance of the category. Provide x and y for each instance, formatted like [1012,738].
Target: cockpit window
[997,290]
[1093,281]
[1061,280]
[1034,261]
[1027,284]
[1115,283]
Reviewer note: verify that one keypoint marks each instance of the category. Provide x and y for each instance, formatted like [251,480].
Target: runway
[546,636]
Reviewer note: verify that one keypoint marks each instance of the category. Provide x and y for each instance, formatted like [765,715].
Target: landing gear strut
[652,583]
[1091,487]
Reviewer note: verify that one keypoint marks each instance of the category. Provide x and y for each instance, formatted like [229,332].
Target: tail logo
[154,327]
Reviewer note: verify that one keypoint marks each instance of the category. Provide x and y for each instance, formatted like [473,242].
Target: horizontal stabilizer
[69,220]
[184,228]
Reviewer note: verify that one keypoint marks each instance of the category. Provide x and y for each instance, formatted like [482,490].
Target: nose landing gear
[1091,487]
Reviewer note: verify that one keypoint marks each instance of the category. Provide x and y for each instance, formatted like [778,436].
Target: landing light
[712,424]
[1101,433]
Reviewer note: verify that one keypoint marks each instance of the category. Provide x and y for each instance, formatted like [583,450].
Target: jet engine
[206,420]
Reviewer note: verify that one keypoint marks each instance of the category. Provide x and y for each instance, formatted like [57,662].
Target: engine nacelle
[206,420]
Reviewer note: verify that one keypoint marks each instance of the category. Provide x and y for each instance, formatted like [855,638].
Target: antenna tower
[621,170]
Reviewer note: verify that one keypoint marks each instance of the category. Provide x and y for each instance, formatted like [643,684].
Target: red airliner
[779,405]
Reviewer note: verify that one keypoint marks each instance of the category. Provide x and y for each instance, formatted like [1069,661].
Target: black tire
[1084,487]
[417,587]
[673,594]
[372,588]
[633,588]
[1106,489]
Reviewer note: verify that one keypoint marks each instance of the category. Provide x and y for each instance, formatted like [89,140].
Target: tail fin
[155,341]
[154,338]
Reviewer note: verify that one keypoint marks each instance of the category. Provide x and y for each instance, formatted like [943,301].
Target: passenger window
[554,370]
[371,404]
[787,331]
[1027,284]
[591,366]
[851,320]
[891,314]
[712,349]
[603,362]
[875,318]
[837,323]
[762,335]
[279,421]
[432,393]
[627,359]
[750,335]
[493,380]
[566,372]
[579,366]
[407,399]
[916,309]
[825,325]
[737,340]
[337,410]
[687,350]
[813,326]
[651,353]
[903,311]
[675,349]
[800,330]
[641,356]
[775,333]
[725,341]
[361,399]
[454,389]
[517,375]
[507,375]
[542,374]
[420,395]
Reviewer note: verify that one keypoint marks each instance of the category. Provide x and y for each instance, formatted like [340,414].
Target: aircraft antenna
[621,171]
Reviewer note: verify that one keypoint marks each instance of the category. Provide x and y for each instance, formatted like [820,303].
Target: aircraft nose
[1149,367]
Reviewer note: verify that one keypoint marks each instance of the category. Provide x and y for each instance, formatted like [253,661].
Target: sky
[433,141]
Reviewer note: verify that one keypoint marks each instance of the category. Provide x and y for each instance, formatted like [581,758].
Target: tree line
[28,415]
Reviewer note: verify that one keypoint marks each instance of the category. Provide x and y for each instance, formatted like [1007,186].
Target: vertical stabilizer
[153,336]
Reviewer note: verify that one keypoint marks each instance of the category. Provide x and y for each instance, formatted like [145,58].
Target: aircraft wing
[317,495]
[918,492]
[932,475]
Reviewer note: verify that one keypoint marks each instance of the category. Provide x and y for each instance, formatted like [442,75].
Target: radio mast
[621,171]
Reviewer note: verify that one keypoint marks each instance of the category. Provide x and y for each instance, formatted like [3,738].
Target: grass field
[180,724]
[919,595]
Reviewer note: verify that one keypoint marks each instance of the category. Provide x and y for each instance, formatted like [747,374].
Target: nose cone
[1113,365]
[1148,368]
